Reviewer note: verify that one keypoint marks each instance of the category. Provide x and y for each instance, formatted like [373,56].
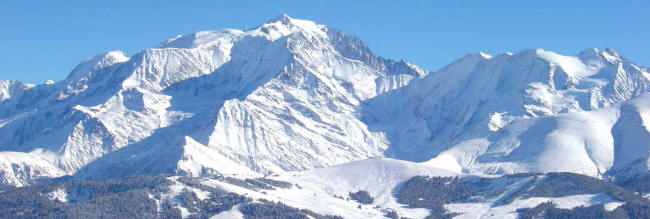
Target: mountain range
[305,103]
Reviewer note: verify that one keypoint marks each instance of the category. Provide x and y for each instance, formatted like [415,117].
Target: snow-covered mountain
[294,95]
[281,96]
[534,111]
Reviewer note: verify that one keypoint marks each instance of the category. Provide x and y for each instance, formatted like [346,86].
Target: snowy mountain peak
[595,55]
[611,51]
[103,60]
[116,56]
[285,25]
[283,18]
[272,30]
[97,62]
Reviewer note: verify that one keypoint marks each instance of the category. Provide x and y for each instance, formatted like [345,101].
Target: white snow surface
[59,195]
[607,141]
[377,176]
[325,190]
[487,210]
[233,213]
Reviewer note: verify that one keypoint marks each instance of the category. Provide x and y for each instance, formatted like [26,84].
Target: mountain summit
[292,94]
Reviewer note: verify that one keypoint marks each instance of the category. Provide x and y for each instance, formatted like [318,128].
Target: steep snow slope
[631,135]
[281,96]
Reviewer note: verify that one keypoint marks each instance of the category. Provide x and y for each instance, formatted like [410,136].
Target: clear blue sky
[43,40]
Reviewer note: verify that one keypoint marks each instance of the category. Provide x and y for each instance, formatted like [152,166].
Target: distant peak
[100,61]
[117,56]
[609,54]
[611,51]
[108,58]
[284,18]
[284,25]
[612,55]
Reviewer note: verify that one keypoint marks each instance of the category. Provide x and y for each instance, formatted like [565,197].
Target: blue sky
[43,40]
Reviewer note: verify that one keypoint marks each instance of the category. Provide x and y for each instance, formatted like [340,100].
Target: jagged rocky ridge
[295,95]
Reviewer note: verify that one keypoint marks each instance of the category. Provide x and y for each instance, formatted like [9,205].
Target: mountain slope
[534,111]
[479,94]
